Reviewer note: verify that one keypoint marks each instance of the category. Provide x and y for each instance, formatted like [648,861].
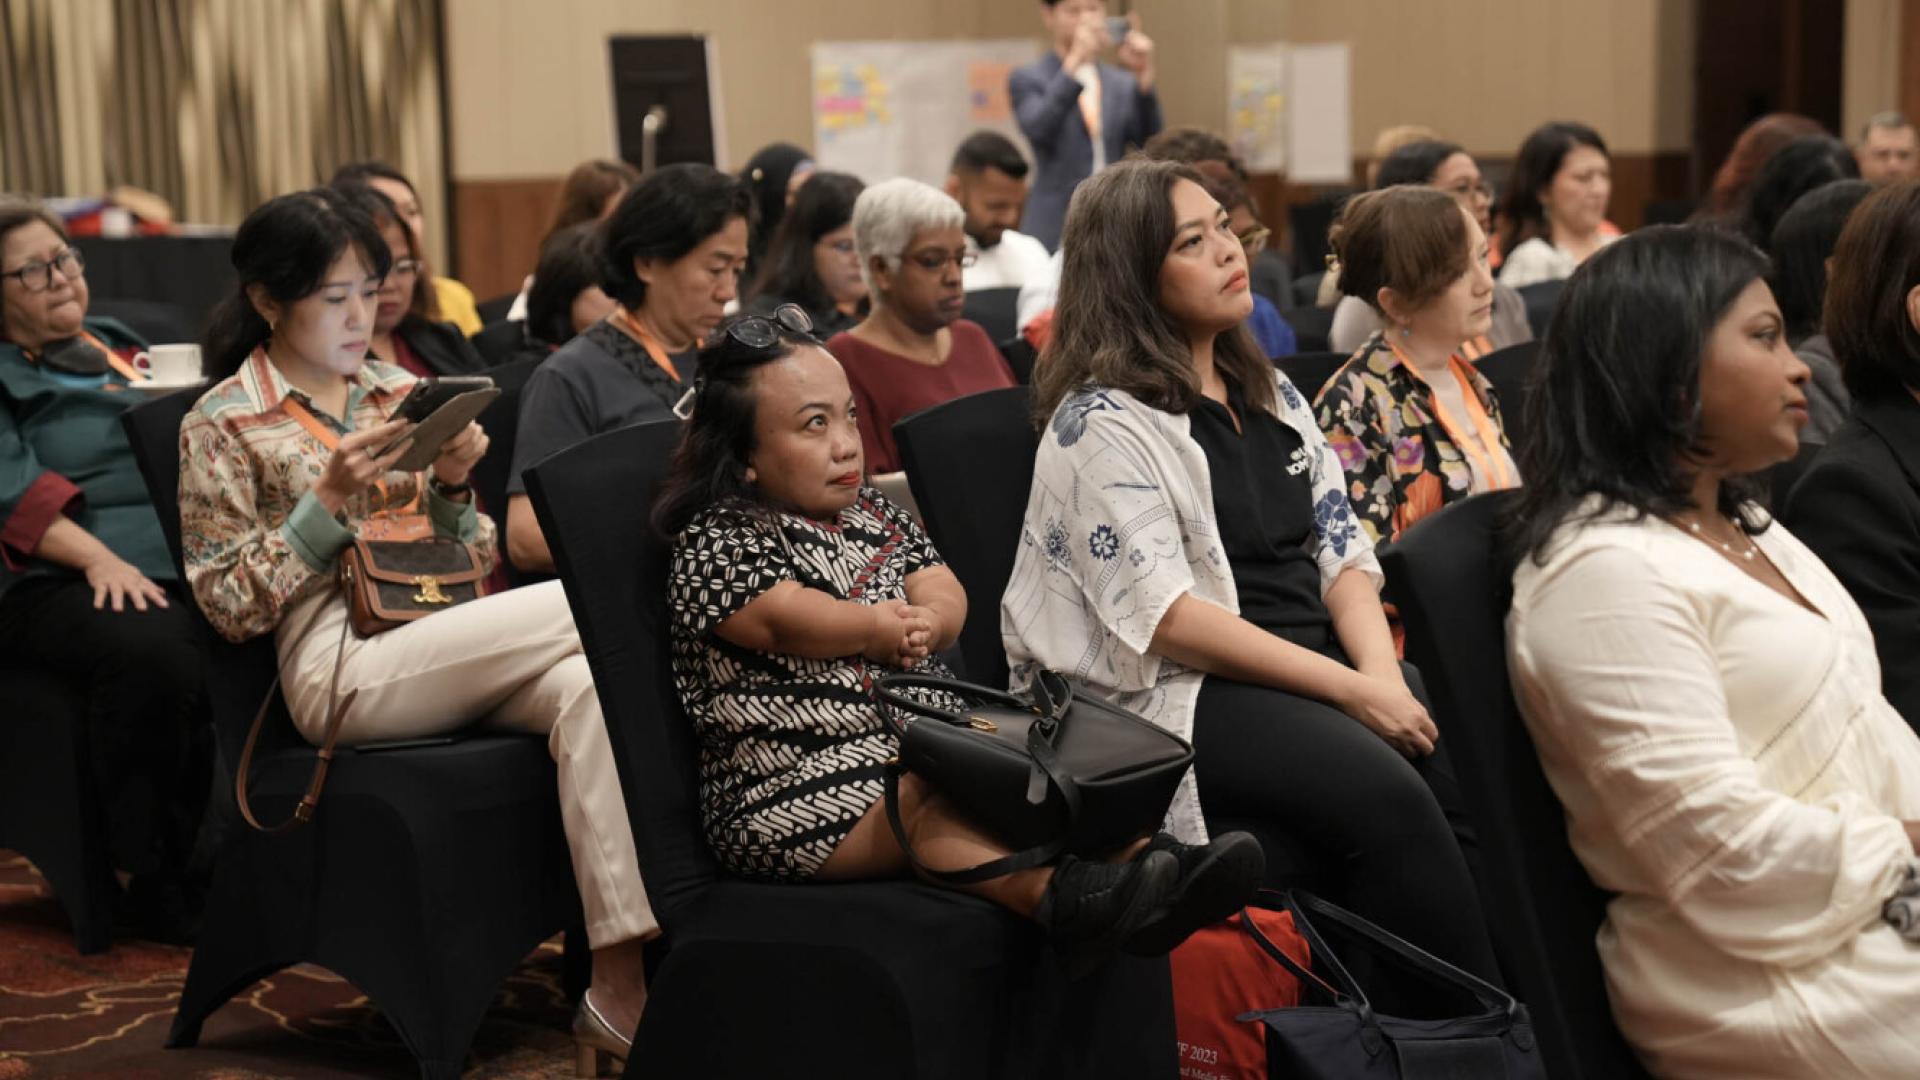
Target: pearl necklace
[1752,551]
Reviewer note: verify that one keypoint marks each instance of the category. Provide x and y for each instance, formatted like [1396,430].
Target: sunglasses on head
[755,332]
[762,331]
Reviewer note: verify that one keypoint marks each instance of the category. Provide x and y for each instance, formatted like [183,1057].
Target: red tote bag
[1226,970]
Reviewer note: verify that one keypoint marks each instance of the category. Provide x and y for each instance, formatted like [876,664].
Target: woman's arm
[793,620]
[940,593]
[1209,638]
[1361,625]
[115,581]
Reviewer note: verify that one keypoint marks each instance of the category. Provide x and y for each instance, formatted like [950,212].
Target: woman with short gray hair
[914,350]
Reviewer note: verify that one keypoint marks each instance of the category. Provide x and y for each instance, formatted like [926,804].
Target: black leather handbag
[1472,1029]
[1057,770]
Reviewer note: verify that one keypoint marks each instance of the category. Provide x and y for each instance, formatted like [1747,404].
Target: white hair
[888,215]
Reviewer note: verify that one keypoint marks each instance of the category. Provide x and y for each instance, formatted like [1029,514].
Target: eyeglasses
[407,266]
[762,331]
[934,261]
[1254,240]
[37,276]
[1465,191]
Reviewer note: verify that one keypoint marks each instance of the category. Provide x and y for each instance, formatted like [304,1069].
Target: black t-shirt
[1263,504]
[599,381]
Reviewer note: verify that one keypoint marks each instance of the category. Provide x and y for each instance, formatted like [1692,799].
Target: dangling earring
[1406,331]
[751,476]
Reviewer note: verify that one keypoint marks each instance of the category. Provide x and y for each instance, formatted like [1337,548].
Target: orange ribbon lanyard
[625,321]
[1491,462]
[331,440]
[1475,348]
[127,371]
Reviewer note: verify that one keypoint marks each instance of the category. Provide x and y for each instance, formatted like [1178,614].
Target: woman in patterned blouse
[1189,549]
[1415,425]
[793,585]
[281,465]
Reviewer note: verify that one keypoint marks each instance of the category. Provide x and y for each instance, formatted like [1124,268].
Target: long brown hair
[1109,328]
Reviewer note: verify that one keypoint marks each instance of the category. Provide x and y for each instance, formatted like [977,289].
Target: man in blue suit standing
[1079,114]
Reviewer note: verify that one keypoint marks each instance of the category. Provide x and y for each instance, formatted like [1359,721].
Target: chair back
[1310,371]
[594,502]
[997,311]
[1541,298]
[1453,586]
[1020,356]
[1784,477]
[501,420]
[969,462]
[238,676]
[1510,370]
[1312,328]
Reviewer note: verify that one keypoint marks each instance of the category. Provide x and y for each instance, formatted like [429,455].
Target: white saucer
[153,387]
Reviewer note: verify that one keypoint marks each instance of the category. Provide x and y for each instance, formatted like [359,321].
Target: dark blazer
[1046,102]
[1858,508]
[441,347]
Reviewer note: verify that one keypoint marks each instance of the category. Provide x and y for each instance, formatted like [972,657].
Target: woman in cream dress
[1704,695]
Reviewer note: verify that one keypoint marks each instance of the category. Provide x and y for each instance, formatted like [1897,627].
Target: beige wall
[1870,82]
[1485,74]
[528,84]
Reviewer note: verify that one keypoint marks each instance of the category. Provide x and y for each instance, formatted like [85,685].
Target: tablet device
[440,409]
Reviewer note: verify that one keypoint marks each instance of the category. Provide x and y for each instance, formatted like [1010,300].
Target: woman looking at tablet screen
[282,461]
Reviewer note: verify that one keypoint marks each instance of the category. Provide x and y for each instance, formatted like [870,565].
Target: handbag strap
[1300,902]
[1045,762]
[336,712]
[1299,971]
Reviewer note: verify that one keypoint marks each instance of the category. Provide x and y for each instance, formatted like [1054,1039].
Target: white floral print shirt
[1119,525]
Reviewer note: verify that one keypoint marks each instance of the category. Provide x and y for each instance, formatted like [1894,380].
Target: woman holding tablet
[285,458]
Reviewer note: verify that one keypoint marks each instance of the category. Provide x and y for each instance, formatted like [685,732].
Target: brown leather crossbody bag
[394,572]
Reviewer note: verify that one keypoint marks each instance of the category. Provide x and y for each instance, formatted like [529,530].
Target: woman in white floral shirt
[1189,549]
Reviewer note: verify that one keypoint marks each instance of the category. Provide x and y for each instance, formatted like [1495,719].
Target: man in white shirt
[988,179]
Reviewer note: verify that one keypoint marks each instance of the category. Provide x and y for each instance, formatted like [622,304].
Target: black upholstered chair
[873,979]
[501,419]
[49,808]
[1452,587]
[1541,298]
[970,463]
[997,311]
[1510,370]
[1311,370]
[427,874]
[1312,329]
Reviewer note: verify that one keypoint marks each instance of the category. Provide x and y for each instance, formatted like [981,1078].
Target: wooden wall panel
[498,225]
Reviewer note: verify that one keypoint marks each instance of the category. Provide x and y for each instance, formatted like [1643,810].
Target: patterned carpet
[63,1014]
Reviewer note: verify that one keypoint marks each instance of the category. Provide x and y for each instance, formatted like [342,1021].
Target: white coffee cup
[170,364]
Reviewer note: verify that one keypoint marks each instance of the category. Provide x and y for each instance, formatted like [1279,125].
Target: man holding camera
[1078,113]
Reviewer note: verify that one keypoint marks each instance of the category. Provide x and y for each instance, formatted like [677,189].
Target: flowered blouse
[1119,525]
[1401,460]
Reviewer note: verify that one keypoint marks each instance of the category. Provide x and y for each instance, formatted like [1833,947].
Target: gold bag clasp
[981,723]
[429,593]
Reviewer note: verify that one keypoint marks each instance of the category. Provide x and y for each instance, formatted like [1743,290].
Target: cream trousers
[507,662]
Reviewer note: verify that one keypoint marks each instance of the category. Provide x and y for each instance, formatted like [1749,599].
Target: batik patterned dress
[792,749]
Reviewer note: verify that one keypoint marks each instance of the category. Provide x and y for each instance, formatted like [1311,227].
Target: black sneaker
[1215,881]
[1091,906]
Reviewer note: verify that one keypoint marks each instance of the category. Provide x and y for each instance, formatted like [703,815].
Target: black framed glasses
[37,276]
[934,261]
[762,331]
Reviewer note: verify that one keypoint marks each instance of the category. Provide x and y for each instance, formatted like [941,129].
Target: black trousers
[1384,834]
[143,673]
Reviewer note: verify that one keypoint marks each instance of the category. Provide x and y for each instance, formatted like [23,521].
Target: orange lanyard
[127,371]
[625,321]
[1491,462]
[1475,348]
[331,440]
